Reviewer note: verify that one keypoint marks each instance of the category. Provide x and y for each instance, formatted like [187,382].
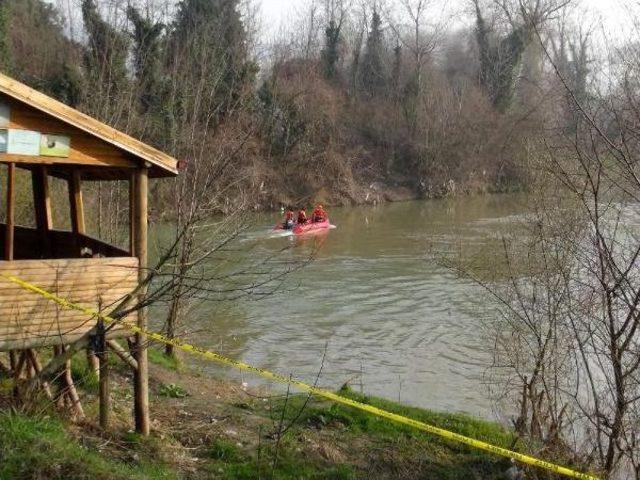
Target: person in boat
[288,220]
[319,214]
[302,217]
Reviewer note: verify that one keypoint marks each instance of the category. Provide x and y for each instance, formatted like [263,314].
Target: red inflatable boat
[308,227]
[311,227]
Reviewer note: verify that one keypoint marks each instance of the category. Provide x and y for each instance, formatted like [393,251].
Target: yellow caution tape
[319,392]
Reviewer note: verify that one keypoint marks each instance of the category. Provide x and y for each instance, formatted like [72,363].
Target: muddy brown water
[384,315]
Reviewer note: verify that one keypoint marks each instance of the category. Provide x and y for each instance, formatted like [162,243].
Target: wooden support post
[122,353]
[67,393]
[4,370]
[17,374]
[71,391]
[13,360]
[93,362]
[132,213]
[37,366]
[10,224]
[76,207]
[42,205]
[141,375]
[103,356]
[76,204]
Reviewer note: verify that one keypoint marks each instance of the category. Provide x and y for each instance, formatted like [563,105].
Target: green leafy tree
[501,56]
[500,61]
[396,76]
[372,68]
[209,41]
[67,85]
[106,53]
[35,49]
[147,58]
[331,50]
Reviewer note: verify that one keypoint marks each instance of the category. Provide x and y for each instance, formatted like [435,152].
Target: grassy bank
[209,428]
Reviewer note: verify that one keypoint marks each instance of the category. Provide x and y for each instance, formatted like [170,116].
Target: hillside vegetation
[348,105]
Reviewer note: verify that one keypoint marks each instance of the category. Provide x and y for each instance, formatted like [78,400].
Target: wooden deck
[28,320]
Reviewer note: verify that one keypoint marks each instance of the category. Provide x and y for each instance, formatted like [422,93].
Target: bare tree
[417,33]
[568,339]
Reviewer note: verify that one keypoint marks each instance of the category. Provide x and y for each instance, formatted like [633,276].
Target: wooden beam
[94,157]
[10,224]
[76,203]
[141,375]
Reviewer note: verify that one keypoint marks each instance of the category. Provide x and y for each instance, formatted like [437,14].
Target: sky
[612,12]
[613,15]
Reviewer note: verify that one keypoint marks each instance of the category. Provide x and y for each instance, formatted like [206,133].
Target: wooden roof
[162,165]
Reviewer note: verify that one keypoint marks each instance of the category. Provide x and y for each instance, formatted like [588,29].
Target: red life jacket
[289,215]
[319,215]
[302,217]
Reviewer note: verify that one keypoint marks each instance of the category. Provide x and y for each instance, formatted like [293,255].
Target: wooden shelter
[50,139]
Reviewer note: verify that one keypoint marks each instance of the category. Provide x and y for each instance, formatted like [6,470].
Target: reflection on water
[389,318]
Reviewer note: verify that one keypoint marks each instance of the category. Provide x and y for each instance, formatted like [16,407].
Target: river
[386,317]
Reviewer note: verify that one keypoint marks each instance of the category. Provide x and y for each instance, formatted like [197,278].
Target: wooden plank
[88,296]
[49,329]
[43,314]
[31,266]
[75,288]
[66,318]
[10,226]
[70,280]
[52,333]
[77,293]
[70,263]
[38,342]
[56,330]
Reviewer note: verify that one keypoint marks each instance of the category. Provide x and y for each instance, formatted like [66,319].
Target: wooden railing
[31,244]
[28,320]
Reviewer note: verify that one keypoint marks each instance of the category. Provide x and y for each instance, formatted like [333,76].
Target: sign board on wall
[5,114]
[55,145]
[4,139]
[23,142]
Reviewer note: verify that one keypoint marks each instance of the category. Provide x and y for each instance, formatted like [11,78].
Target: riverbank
[204,427]
[276,191]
